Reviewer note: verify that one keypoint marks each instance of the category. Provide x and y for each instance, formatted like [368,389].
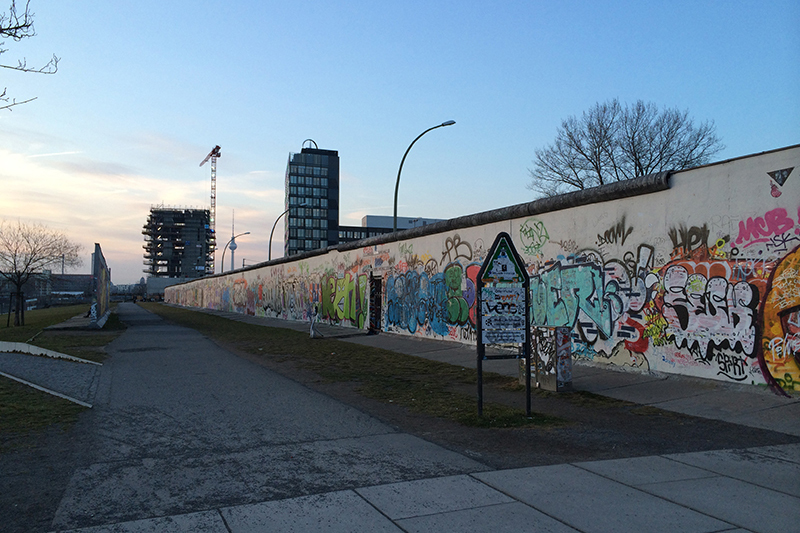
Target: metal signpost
[503,288]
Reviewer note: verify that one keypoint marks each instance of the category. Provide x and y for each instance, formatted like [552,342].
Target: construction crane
[213,155]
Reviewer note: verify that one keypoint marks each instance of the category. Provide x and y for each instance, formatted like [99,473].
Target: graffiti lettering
[732,366]
[533,235]
[416,300]
[569,246]
[782,243]
[760,229]
[616,234]
[685,241]
[345,298]
[454,245]
[705,313]
[784,347]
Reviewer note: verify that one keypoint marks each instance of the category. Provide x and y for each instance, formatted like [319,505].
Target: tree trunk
[18,319]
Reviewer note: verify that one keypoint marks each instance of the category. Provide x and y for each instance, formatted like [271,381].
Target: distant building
[46,289]
[312,201]
[386,221]
[372,225]
[179,243]
[312,198]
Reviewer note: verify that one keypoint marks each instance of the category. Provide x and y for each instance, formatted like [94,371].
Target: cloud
[92,201]
[54,154]
[97,169]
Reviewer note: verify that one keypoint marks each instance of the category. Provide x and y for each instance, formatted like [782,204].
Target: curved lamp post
[397,185]
[232,244]
[269,253]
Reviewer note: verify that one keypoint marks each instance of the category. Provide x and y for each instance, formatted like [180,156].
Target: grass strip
[25,410]
[419,384]
[37,320]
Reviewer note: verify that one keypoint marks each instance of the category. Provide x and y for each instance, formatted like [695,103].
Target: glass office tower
[312,200]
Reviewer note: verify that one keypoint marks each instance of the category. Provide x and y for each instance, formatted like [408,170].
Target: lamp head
[448,123]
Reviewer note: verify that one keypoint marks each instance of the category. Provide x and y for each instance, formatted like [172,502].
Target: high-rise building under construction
[179,243]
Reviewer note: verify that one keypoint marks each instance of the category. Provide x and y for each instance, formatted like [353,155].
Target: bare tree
[17,25]
[611,143]
[26,250]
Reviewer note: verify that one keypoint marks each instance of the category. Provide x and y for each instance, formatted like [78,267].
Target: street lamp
[397,185]
[232,244]
[269,253]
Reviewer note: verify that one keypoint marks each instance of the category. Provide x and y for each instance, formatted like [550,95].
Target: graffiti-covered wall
[101,288]
[698,274]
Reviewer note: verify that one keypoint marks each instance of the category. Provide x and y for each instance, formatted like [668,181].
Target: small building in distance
[372,225]
[179,243]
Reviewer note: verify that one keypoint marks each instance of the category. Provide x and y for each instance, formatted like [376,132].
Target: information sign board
[503,314]
[503,318]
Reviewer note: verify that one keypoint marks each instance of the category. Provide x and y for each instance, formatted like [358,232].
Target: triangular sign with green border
[504,265]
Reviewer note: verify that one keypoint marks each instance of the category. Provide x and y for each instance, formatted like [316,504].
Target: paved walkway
[728,490]
[730,402]
[754,489]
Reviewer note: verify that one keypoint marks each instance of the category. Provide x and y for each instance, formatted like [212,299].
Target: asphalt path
[180,425]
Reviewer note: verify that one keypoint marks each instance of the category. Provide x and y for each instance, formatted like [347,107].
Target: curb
[21,347]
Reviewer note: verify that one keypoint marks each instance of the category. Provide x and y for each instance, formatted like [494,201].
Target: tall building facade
[312,200]
[179,243]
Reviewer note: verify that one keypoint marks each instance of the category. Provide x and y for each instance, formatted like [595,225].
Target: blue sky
[145,89]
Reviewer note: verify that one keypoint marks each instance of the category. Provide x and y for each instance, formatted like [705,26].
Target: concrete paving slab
[431,496]
[342,511]
[783,418]
[737,502]
[277,472]
[785,452]
[591,503]
[71,378]
[503,518]
[637,471]
[149,487]
[747,465]
[202,522]
[651,392]
[740,407]
[611,381]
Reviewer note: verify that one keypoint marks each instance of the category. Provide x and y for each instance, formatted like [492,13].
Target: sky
[145,89]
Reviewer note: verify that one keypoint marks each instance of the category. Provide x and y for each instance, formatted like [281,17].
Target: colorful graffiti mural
[781,320]
[692,290]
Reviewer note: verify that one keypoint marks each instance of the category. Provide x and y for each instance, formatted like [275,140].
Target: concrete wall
[101,288]
[693,273]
